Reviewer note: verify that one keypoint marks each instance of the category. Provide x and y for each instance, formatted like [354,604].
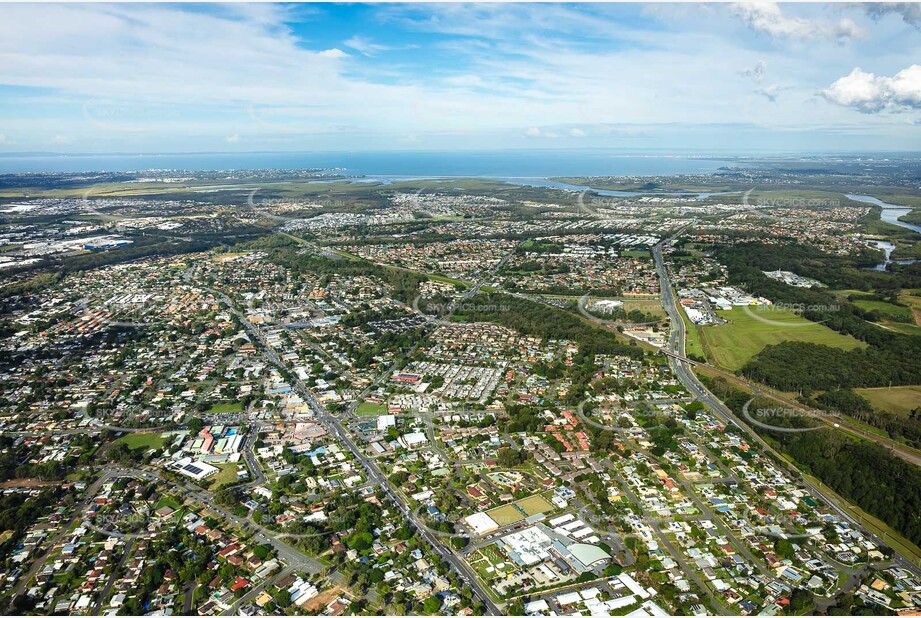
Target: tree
[282,597]
[509,457]
[432,605]
[226,497]
[784,548]
[800,600]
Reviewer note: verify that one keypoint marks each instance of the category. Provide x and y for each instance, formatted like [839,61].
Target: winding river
[890,214]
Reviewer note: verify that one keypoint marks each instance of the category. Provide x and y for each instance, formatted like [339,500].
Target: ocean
[507,164]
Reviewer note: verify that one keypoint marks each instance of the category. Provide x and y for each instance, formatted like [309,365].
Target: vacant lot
[652,305]
[898,399]
[752,328]
[692,342]
[227,476]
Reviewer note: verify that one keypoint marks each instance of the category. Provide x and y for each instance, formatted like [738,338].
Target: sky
[740,78]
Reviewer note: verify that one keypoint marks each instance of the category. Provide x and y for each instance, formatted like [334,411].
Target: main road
[690,381]
[373,472]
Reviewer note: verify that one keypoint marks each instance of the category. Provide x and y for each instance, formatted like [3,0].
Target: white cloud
[365,46]
[2,138]
[232,139]
[203,74]
[577,132]
[770,92]
[335,53]
[767,18]
[469,81]
[910,11]
[537,132]
[62,139]
[756,72]
[871,93]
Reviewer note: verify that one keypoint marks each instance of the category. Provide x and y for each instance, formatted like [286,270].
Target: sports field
[519,510]
[535,505]
[899,399]
[225,408]
[752,328]
[369,408]
[144,440]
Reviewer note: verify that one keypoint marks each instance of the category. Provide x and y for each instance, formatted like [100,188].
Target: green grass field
[443,279]
[535,505]
[692,342]
[368,408]
[225,408]
[901,327]
[734,344]
[520,509]
[490,557]
[168,501]
[142,440]
[635,253]
[505,515]
[886,309]
[227,476]
[898,399]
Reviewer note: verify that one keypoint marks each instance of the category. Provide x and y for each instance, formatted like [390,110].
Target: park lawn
[734,344]
[147,440]
[369,408]
[910,298]
[220,257]
[227,476]
[225,408]
[899,399]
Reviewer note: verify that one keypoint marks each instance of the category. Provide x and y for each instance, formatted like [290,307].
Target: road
[687,377]
[104,596]
[682,366]
[372,471]
[63,531]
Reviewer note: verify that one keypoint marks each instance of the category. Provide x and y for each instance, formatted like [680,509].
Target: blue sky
[744,78]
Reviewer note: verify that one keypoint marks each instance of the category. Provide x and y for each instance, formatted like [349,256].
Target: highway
[683,370]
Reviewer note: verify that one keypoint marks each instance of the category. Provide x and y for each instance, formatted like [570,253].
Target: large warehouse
[196,470]
[539,543]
